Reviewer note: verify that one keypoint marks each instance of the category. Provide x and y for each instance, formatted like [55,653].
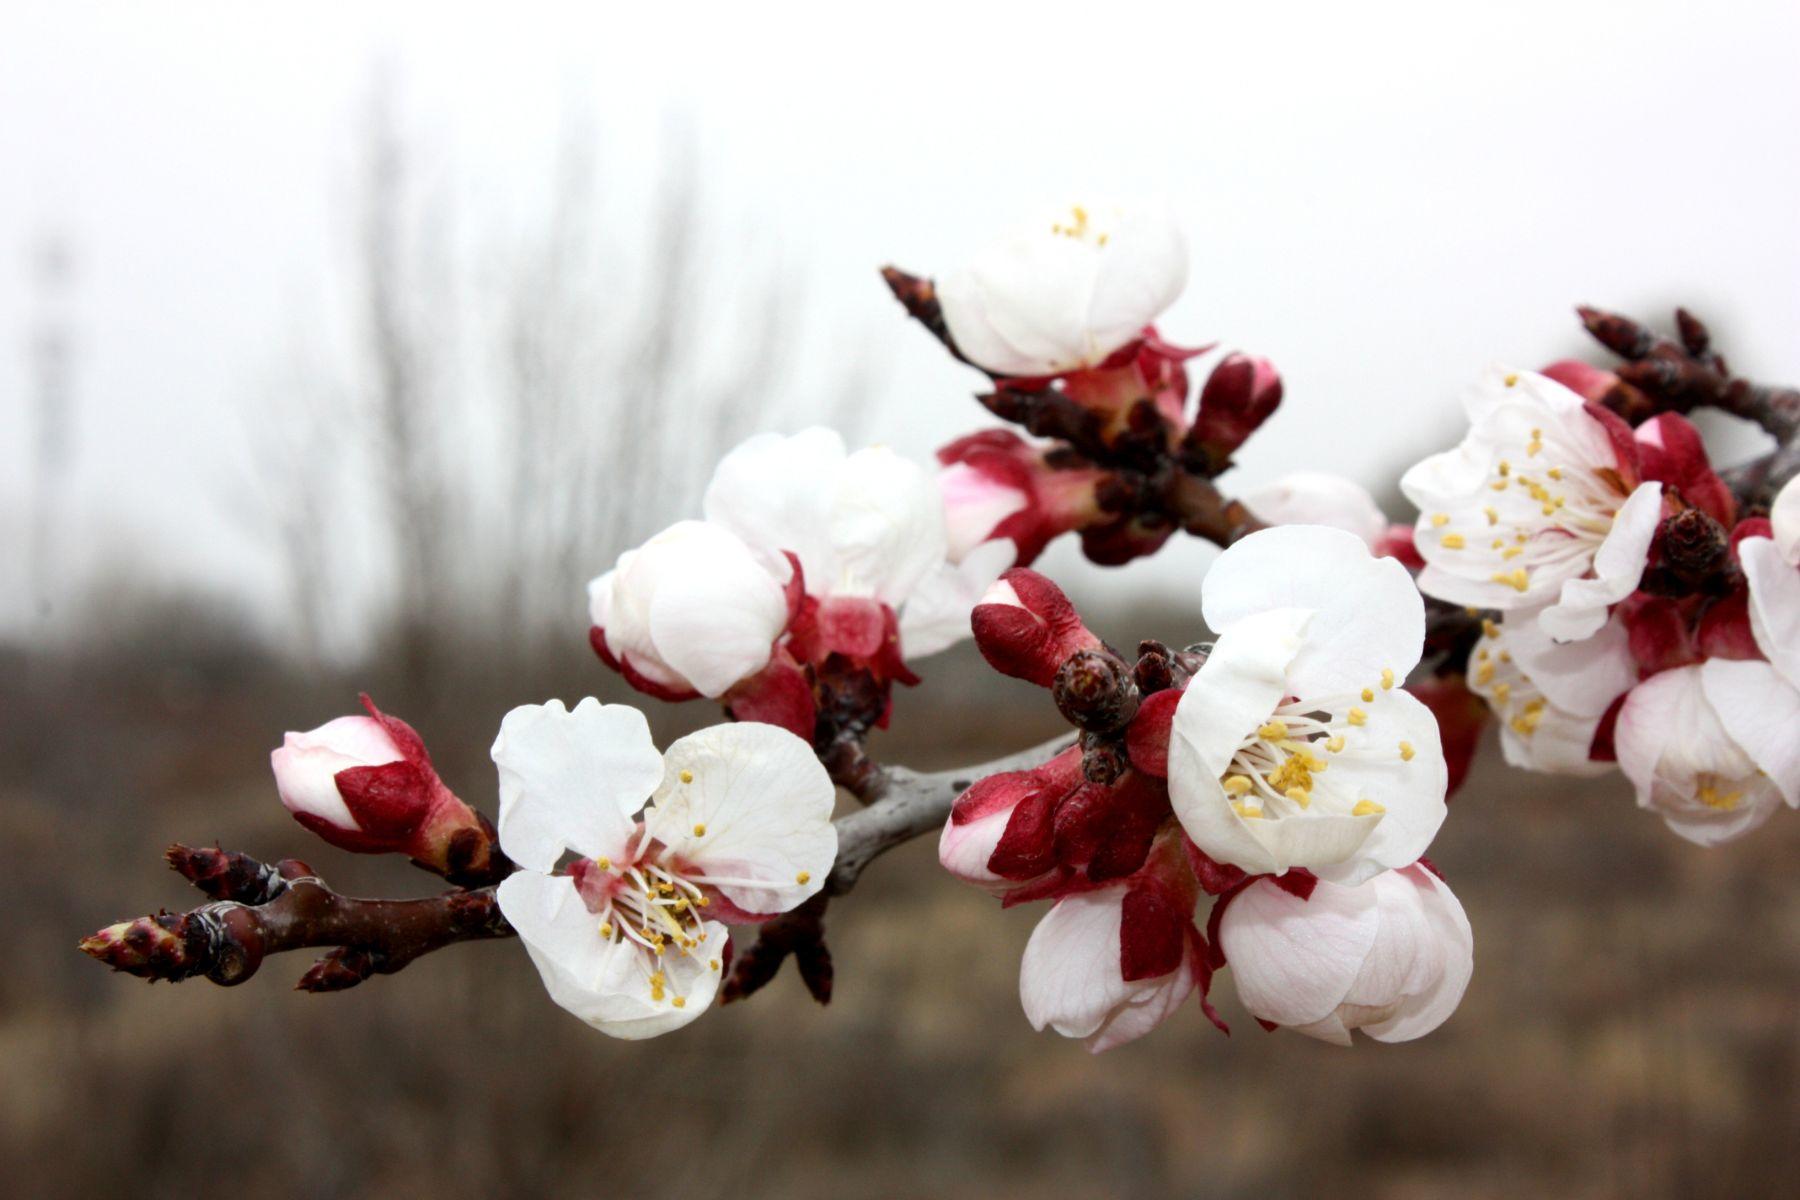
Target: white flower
[1550,696]
[630,939]
[1390,956]
[1319,498]
[1293,746]
[1065,290]
[1536,509]
[867,528]
[1770,570]
[692,610]
[1071,977]
[1711,748]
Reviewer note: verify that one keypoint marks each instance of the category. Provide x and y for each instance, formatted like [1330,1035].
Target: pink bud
[1670,451]
[996,484]
[1239,396]
[366,784]
[1025,627]
[1584,379]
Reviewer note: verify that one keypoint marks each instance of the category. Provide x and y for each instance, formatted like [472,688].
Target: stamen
[1367,808]
[1406,751]
[1387,679]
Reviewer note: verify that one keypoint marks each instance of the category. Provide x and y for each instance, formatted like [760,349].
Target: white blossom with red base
[1711,747]
[1293,746]
[366,784]
[1065,290]
[1391,956]
[1541,507]
[632,937]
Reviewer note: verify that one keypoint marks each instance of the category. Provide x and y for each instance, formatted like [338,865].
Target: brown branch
[260,910]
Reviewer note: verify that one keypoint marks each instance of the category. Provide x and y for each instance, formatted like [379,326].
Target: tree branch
[260,910]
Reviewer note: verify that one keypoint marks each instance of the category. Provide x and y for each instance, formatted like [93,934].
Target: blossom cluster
[816,576]
[1283,769]
[1640,617]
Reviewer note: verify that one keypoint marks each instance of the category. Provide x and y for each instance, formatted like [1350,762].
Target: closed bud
[367,785]
[1095,691]
[996,484]
[1025,627]
[1238,397]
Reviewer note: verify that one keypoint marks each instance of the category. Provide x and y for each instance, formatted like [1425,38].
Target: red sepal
[1147,738]
[1670,451]
[638,681]
[1152,931]
[1216,878]
[1725,629]
[388,801]
[1624,443]
[779,694]
[1031,639]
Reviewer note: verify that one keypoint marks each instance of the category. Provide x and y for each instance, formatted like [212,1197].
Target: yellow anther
[1273,730]
[1236,785]
[1247,811]
[1367,808]
[1511,552]
[803,877]
[1452,541]
[1505,468]
[1358,717]
[1516,579]
[713,964]
[1368,694]
[1512,380]
[1526,722]
[1387,679]
[687,777]
[679,1002]
[1491,513]
[1406,752]
[1554,472]
[699,830]
[1335,743]
[1506,656]
[1499,485]
[1549,510]
[1439,520]
[605,864]
[703,901]
[1299,795]
[1484,674]
[606,930]
[1496,543]
[1490,627]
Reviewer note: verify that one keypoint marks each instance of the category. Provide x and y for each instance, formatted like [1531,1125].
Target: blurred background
[339,349]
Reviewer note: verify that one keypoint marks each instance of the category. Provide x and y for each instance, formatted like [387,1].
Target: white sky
[1383,198]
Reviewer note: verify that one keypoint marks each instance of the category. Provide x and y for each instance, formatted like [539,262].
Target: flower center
[1275,770]
[1078,227]
[659,911]
[1514,697]
[1711,791]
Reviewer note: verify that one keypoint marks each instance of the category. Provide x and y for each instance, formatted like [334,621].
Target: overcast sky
[1384,198]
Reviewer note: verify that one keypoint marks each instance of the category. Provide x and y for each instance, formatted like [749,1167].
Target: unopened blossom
[868,532]
[1066,289]
[691,612]
[1711,748]
[1548,697]
[1391,956]
[1319,498]
[1772,571]
[970,846]
[1294,746]
[631,935]
[1540,507]
[366,783]
[997,485]
[1111,964]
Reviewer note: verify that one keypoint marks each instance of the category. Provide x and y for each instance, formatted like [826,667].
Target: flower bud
[981,817]
[1025,627]
[998,485]
[1671,451]
[366,784]
[1095,691]
[1239,396]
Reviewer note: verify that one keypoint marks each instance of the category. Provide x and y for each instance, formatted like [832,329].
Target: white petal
[572,780]
[1293,960]
[764,804]
[605,983]
[775,492]
[1761,713]
[887,526]
[1619,563]
[974,504]
[1671,744]
[1319,498]
[1774,603]
[715,611]
[1582,678]
[1412,791]
[1784,516]
[1242,682]
[1453,949]
[936,616]
[1144,267]
[1367,615]
[1071,980]
[306,766]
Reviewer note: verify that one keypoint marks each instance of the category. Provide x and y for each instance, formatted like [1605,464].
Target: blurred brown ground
[1633,1027]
